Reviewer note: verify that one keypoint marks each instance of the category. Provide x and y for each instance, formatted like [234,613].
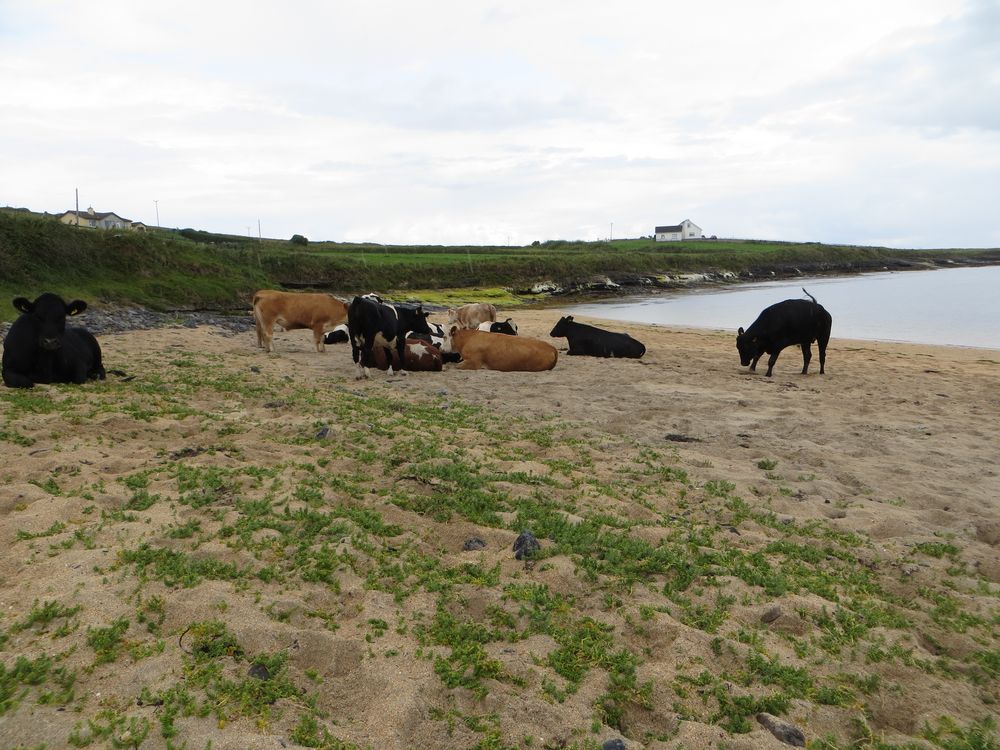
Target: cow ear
[740,332]
[22,304]
[569,318]
[76,307]
[453,330]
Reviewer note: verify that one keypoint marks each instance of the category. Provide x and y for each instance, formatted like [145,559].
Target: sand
[896,442]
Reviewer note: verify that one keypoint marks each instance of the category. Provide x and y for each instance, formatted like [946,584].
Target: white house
[100,220]
[686,230]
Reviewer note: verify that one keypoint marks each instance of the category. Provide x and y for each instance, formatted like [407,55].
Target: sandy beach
[887,463]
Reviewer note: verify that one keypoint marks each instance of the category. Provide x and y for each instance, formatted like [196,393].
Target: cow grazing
[794,321]
[372,324]
[588,341]
[294,310]
[39,348]
[337,336]
[418,356]
[495,351]
[471,316]
[508,326]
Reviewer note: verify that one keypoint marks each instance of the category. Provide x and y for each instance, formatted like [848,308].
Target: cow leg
[806,356]
[821,345]
[16,380]
[753,364]
[267,336]
[318,338]
[770,362]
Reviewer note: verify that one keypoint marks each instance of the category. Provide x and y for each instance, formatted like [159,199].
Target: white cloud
[454,122]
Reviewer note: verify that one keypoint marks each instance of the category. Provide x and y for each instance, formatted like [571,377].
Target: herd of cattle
[41,348]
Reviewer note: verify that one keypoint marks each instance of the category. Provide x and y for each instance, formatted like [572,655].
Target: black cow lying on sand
[39,348]
[372,323]
[589,341]
[508,326]
[794,321]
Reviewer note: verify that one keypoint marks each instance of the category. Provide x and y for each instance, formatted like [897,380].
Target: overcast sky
[856,121]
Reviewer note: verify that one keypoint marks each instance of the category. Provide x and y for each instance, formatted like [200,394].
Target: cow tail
[810,296]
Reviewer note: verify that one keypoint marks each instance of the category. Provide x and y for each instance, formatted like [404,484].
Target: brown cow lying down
[470,316]
[291,310]
[498,351]
[419,356]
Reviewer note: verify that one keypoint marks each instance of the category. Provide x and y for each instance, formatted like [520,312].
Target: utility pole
[259,239]
[612,232]
[157,204]
[77,191]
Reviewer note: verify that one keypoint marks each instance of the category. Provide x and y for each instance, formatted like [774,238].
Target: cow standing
[794,321]
[290,310]
[589,341]
[39,348]
[471,316]
[372,323]
[497,351]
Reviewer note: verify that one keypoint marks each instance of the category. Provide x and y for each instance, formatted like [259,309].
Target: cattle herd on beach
[41,348]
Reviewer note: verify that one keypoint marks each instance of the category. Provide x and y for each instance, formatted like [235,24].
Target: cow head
[419,323]
[48,316]
[748,346]
[560,327]
[447,343]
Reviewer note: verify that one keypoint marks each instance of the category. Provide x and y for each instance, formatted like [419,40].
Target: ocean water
[952,306]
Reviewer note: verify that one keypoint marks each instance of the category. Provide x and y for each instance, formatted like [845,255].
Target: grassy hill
[192,269]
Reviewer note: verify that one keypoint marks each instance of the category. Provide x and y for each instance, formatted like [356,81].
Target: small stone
[525,545]
[473,543]
[771,614]
[254,368]
[259,672]
[785,732]
[324,433]
[613,744]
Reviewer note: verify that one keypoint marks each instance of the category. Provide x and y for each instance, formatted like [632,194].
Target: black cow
[372,323]
[337,336]
[39,348]
[508,326]
[589,341]
[794,321]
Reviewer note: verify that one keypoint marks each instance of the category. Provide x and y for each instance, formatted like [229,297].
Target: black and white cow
[337,336]
[39,348]
[372,323]
[508,326]
[589,341]
[794,321]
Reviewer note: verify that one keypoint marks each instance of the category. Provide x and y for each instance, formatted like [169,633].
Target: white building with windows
[100,220]
[686,230]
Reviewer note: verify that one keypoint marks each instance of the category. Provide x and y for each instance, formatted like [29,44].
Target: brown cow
[498,351]
[418,356]
[290,311]
[470,316]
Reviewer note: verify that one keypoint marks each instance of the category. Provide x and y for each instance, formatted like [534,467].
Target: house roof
[673,228]
[95,215]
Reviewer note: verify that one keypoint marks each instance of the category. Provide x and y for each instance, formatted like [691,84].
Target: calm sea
[956,306]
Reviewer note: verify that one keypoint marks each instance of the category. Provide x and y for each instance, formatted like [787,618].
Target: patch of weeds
[43,615]
[767,464]
[55,528]
[937,549]
[308,732]
[108,642]
[14,681]
[121,730]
